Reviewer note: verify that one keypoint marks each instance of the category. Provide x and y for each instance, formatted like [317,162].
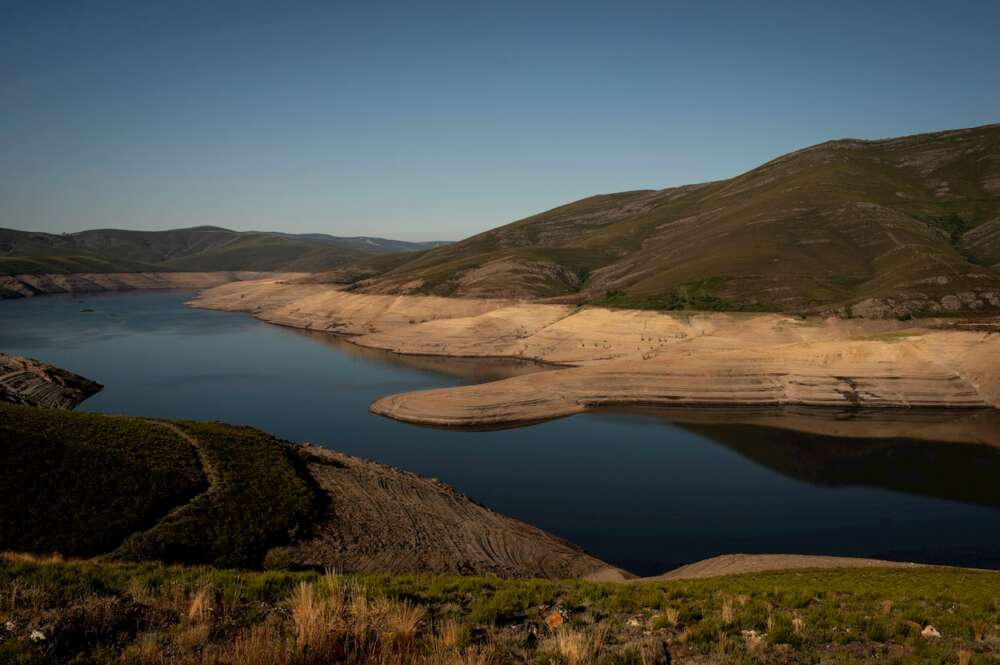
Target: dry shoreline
[628,357]
[28,285]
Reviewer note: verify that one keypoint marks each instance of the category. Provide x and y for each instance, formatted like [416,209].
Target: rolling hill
[136,489]
[900,226]
[197,249]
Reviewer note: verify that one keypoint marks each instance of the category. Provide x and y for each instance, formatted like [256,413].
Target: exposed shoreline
[628,357]
[28,285]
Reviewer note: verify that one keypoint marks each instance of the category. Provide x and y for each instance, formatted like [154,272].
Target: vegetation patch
[79,483]
[53,611]
[85,484]
[699,295]
[261,500]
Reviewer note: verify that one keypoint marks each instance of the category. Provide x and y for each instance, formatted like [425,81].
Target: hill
[197,249]
[890,227]
[209,493]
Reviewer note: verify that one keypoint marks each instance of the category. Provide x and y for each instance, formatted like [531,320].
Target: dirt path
[211,473]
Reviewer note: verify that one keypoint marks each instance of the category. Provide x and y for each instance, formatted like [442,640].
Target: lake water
[632,488]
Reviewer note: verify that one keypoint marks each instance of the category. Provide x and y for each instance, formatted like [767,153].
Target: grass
[146,613]
[263,501]
[84,482]
[88,484]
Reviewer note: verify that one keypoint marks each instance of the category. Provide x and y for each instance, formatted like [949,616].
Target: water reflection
[469,370]
[952,455]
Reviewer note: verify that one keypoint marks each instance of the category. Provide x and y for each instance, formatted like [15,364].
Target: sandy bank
[25,286]
[623,357]
[738,564]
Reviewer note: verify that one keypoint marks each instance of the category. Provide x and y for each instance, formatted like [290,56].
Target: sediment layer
[34,383]
[623,357]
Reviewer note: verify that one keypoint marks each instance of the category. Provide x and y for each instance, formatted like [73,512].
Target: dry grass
[448,635]
[28,557]
[728,615]
[578,647]
[404,619]
[312,619]
[979,628]
[261,645]
[200,605]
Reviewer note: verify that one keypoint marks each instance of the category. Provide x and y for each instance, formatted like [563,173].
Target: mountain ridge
[191,249]
[888,227]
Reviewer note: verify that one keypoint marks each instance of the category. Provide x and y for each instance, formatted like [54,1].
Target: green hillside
[198,249]
[85,484]
[913,222]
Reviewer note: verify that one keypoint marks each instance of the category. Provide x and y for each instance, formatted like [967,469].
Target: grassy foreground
[84,612]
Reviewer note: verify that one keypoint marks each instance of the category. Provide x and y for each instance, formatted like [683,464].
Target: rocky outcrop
[381,519]
[27,285]
[33,383]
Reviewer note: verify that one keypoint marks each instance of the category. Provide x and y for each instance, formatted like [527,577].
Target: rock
[930,632]
[37,636]
[33,383]
[951,303]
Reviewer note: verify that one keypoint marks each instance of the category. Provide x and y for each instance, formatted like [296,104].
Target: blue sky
[438,120]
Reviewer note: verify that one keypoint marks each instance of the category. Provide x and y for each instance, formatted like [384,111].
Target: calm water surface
[631,488]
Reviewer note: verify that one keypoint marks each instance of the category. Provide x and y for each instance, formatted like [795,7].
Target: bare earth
[25,286]
[383,520]
[33,383]
[737,564]
[623,357]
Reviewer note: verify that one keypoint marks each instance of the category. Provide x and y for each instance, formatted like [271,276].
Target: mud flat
[27,285]
[629,357]
[33,383]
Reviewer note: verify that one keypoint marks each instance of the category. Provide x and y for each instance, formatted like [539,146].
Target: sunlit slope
[912,222]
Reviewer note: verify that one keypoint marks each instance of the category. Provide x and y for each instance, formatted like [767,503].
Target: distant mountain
[366,242]
[891,227]
[201,248]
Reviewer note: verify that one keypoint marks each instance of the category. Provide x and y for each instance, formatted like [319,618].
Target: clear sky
[436,120]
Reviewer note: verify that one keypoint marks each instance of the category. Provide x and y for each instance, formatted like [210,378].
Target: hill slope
[202,248]
[906,225]
[209,493]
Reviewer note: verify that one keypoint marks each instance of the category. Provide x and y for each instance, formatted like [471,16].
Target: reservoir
[645,490]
